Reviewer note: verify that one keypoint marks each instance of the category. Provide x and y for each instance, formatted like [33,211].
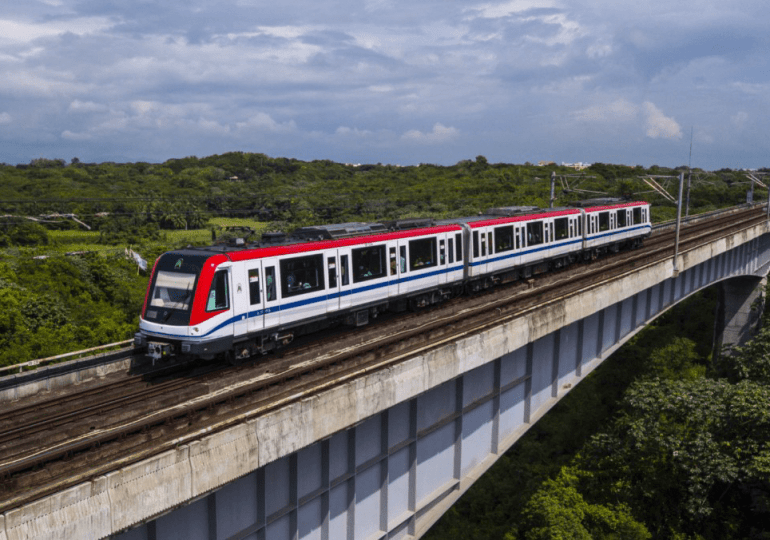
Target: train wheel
[230,358]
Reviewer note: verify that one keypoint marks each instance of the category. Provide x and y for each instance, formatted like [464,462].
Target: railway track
[53,445]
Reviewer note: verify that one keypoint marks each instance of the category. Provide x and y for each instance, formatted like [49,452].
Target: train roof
[615,206]
[496,220]
[318,245]
[320,237]
[308,242]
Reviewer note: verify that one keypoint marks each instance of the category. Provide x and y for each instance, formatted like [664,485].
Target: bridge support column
[740,303]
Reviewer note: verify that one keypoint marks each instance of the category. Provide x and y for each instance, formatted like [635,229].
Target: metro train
[242,299]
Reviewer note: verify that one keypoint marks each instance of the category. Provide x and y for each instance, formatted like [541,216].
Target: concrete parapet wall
[60,376]
[612,309]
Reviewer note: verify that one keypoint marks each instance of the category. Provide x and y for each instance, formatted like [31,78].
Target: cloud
[658,125]
[739,119]
[87,106]
[506,9]
[71,136]
[345,131]
[619,110]
[264,122]
[440,133]
[351,81]
[24,32]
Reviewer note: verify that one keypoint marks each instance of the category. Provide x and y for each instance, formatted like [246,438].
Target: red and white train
[248,299]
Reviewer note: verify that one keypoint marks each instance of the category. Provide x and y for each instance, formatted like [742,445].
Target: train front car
[186,298]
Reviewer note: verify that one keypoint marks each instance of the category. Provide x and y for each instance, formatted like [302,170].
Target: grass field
[80,240]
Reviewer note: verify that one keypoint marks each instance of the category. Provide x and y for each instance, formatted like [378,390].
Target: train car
[507,248]
[245,299]
[612,227]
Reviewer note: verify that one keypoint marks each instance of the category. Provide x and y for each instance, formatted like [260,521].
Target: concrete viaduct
[383,456]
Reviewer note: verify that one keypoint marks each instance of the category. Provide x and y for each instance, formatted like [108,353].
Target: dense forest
[137,198]
[662,441]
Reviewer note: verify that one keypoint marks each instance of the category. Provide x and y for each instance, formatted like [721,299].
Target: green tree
[25,233]
[687,455]
[558,511]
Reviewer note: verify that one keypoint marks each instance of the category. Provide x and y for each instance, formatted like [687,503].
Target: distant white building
[579,166]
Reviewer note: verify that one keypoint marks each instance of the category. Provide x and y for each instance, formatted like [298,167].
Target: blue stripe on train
[375,286]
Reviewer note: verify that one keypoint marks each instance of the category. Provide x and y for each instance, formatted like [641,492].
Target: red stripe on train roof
[528,217]
[260,253]
[615,206]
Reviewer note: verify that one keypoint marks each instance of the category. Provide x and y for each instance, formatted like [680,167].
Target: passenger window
[451,250]
[604,221]
[475,244]
[458,247]
[503,239]
[302,275]
[620,221]
[270,283]
[219,298]
[637,216]
[332,266]
[441,253]
[254,286]
[368,263]
[562,228]
[483,244]
[344,270]
[422,253]
[402,258]
[534,233]
[393,262]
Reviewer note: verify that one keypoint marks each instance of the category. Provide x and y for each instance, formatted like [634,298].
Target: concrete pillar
[740,303]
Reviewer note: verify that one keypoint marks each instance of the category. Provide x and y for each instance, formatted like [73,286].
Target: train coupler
[158,351]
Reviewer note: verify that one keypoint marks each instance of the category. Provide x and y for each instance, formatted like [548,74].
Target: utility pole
[678,222]
[768,203]
[553,187]
[689,176]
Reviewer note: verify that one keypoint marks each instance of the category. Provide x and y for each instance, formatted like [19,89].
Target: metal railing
[19,368]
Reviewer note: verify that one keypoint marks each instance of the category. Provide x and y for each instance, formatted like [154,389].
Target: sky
[388,81]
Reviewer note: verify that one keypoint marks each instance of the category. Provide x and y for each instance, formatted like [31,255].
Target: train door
[393,277]
[442,260]
[333,283]
[272,304]
[220,301]
[345,283]
[252,296]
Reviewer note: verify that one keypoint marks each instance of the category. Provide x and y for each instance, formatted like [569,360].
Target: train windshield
[173,290]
